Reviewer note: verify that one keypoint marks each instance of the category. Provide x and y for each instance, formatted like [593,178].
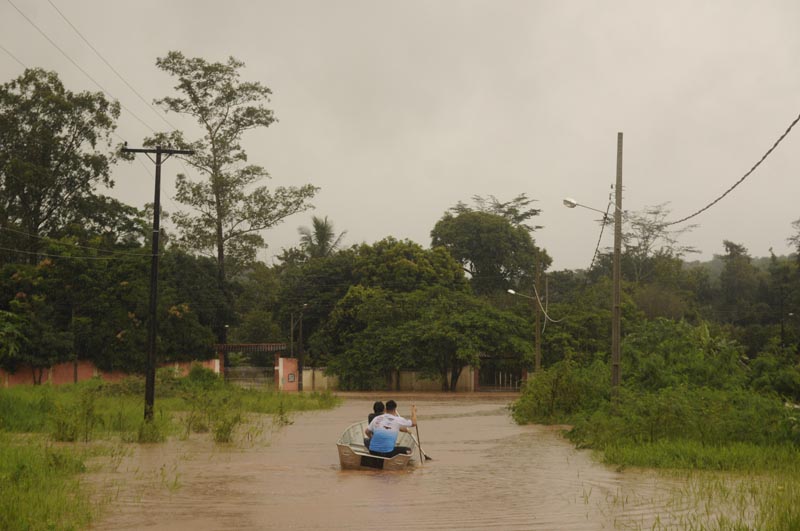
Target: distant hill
[716,264]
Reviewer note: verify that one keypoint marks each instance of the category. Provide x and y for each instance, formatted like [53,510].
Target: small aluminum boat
[353,455]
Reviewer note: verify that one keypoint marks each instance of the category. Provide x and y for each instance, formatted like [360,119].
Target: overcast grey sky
[398,110]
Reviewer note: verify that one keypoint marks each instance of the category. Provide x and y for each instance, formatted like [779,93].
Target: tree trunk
[443,376]
[222,330]
[454,374]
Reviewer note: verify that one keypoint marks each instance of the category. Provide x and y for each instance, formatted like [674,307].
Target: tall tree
[12,338]
[54,151]
[229,208]
[739,282]
[492,241]
[321,239]
[795,238]
[649,245]
[517,211]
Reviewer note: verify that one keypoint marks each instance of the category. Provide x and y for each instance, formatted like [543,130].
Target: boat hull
[354,459]
[353,455]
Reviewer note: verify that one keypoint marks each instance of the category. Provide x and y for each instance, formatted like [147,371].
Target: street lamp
[538,337]
[616,316]
[571,203]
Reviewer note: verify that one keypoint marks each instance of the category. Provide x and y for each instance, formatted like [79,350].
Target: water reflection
[486,473]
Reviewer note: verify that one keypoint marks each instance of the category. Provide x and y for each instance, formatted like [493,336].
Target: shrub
[563,390]
[708,416]
[205,378]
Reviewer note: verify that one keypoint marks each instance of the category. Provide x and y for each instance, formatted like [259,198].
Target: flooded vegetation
[487,472]
[73,458]
[50,436]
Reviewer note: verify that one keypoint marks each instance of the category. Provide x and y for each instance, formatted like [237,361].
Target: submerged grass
[733,487]
[692,455]
[40,486]
[198,403]
[41,466]
[736,449]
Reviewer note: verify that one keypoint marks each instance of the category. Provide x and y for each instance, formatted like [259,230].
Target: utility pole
[538,359]
[300,355]
[617,310]
[150,376]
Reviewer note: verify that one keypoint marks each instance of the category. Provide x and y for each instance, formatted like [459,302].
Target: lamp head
[570,203]
[511,291]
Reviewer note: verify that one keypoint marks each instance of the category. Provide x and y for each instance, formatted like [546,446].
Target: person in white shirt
[384,429]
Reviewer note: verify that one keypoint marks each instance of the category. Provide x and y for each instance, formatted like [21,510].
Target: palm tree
[320,240]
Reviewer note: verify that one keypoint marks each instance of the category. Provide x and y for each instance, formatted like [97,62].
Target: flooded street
[486,473]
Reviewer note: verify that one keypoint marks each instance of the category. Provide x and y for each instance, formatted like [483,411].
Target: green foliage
[562,391]
[76,422]
[396,265]
[40,487]
[55,152]
[708,416]
[229,208]
[691,454]
[320,240]
[583,332]
[685,389]
[663,353]
[151,431]
[497,254]
[651,250]
[224,426]
[12,337]
[203,377]
[775,372]
[438,331]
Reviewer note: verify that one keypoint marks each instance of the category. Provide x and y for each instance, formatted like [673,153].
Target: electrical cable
[14,57]
[85,73]
[599,239]
[544,311]
[34,253]
[745,176]
[120,76]
[121,253]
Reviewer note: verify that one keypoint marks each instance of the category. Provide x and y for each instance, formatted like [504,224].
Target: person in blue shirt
[384,430]
[377,409]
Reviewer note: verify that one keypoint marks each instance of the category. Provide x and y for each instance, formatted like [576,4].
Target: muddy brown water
[486,473]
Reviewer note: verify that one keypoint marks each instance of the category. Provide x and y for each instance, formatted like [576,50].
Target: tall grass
[201,402]
[40,484]
[684,406]
[40,487]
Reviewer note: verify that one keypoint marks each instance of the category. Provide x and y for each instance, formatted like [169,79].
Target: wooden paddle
[422,455]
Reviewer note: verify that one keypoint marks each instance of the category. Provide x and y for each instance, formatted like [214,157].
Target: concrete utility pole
[617,310]
[150,376]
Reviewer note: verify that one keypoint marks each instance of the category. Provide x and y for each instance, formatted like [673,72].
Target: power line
[745,176]
[120,76]
[121,253]
[93,80]
[14,57]
[600,238]
[34,253]
[544,311]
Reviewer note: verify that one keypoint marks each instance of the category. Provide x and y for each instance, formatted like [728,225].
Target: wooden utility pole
[538,359]
[616,308]
[150,375]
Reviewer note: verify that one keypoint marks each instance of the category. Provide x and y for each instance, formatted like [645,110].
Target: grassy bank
[737,449]
[44,431]
[40,487]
